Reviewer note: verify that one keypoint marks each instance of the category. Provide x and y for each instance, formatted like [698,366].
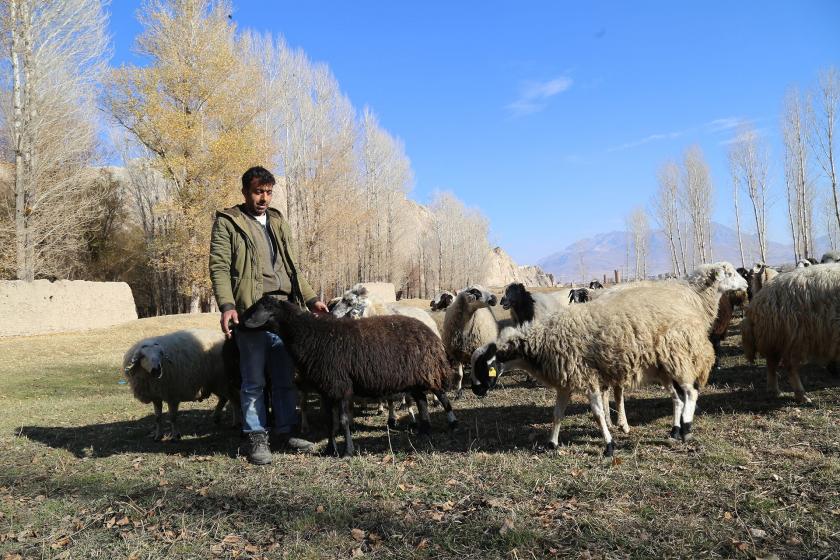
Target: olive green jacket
[234,271]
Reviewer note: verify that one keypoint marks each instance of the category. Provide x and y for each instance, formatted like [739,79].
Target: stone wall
[41,307]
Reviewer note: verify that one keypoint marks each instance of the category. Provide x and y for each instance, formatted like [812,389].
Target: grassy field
[81,478]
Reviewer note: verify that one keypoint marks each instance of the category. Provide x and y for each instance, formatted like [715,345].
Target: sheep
[467,325]
[441,301]
[355,303]
[728,302]
[795,319]
[527,306]
[830,257]
[535,307]
[760,276]
[579,295]
[596,285]
[371,357]
[187,365]
[635,336]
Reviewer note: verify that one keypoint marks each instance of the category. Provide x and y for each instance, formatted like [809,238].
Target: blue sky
[553,117]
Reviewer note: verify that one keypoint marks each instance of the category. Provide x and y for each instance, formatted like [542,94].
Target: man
[251,254]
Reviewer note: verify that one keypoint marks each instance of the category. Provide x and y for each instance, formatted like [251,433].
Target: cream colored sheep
[794,320]
[641,335]
[467,325]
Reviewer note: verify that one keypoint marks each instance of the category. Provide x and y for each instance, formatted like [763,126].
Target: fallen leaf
[357,552]
[358,535]
[232,539]
[727,516]
[217,550]
[110,522]
[251,549]
[793,541]
[374,538]
[507,525]
[616,461]
[124,521]
[758,533]
[437,516]
[775,477]
[60,543]
[319,509]
[423,544]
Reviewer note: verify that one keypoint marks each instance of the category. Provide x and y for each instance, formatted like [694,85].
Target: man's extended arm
[220,259]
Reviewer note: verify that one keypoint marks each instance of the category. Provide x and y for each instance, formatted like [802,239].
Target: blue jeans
[263,356]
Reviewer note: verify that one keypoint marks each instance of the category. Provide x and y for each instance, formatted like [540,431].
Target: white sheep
[760,276]
[185,365]
[467,325]
[357,303]
[795,319]
[636,336]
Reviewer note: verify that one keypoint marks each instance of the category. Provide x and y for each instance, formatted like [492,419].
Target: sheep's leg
[345,420]
[716,339]
[605,398]
[392,414]
[773,377]
[560,404]
[691,395]
[158,420]
[423,408]
[678,398]
[447,406]
[796,383]
[220,407]
[459,390]
[173,418]
[597,405]
[304,416]
[329,410]
[618,393]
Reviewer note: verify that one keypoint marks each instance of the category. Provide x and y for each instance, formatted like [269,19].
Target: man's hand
[319,308]
[227,317]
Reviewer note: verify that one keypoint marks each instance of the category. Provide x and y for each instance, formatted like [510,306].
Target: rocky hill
[502,270]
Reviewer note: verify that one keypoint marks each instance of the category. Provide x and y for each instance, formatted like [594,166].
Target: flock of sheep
[594,341]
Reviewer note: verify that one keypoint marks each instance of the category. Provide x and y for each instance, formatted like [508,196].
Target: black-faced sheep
[830,257]
[634,337]
[467,325]
[441,301]
[579,295]
[794,320]
[527,306]
[371,357]
[595,285]
[181,366]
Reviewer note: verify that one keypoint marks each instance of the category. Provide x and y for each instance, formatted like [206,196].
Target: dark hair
[262,175]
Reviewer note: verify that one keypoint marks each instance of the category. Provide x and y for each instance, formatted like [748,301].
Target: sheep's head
[352,303]
[722,276]
[149,357]
[269,313]
[830,257]
[478,295]
[514,293]
[441,301]
[803,263]
[484,369]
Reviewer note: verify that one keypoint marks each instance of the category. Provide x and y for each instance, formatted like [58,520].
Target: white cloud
[715,126]
[534,96]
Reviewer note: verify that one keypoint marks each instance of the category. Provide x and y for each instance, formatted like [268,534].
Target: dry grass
[80,478]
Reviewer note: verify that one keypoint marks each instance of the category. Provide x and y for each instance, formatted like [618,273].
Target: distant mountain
[599,255]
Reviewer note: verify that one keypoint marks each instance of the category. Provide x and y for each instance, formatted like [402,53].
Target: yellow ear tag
[492,372]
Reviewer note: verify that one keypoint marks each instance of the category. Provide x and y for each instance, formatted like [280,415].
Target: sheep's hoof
[459,393]
[550,445]
[675,433]
[392,423]
[685,431]
[609,450]
[348,454]
[175,437]
[625,428]
[330,450]
[803,399]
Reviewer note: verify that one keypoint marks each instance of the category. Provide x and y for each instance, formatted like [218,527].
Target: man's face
[258,197]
